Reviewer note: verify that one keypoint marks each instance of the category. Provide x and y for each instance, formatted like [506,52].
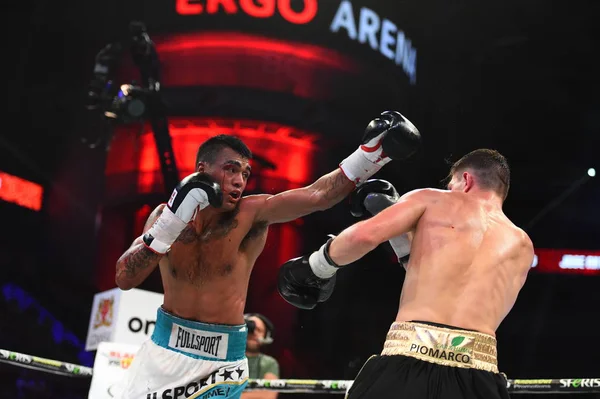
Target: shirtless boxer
[206,240]
[467,264]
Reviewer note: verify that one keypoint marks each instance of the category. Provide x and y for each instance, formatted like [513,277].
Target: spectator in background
[261,366]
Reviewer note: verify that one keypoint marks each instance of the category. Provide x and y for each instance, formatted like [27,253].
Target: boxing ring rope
[562,385]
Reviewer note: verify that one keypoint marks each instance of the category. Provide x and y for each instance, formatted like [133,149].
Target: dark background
[517,76]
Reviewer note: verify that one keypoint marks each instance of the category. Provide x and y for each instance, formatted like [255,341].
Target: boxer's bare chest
[225,249]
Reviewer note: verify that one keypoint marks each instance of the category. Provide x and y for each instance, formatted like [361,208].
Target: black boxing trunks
[429,360]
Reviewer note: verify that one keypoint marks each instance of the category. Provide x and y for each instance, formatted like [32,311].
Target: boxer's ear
[201,167]
[469,181]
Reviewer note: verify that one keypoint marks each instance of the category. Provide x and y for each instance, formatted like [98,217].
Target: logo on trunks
[201,343]
[104,313]
[580,383]
[235,374]
[452,352]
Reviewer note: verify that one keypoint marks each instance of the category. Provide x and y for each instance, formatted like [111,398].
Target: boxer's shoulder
[522,237]
[253,204]
[250,203]
[427,195]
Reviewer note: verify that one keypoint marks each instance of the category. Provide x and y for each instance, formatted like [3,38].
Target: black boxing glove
[196,191]
[373,196]
[390,136]
[403,139]
[298,284]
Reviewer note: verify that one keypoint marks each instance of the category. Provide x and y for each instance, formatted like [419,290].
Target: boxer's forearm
[331,188]
[135,265]
[351,245]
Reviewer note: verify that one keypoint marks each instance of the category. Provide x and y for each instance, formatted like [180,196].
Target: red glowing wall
[235,59]
[133,165]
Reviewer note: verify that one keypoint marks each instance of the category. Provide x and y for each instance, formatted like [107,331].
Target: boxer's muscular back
[467,265]
[205,275]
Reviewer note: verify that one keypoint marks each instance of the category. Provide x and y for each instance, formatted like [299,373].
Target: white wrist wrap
[164,232]
[319,264]
[358,168]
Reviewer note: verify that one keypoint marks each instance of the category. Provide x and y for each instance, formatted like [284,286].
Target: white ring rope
[548,385]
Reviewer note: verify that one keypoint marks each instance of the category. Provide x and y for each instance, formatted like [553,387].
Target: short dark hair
[208,151]
[489,166]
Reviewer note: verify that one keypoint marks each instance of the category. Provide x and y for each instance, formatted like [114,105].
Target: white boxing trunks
[189,359]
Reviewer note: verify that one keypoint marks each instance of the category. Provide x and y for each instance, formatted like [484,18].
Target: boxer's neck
[489,197]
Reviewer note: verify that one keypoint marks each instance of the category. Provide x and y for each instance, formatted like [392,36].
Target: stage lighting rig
[132,102]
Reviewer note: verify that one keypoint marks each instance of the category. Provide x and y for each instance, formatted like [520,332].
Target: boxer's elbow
[122,280]
[125,285]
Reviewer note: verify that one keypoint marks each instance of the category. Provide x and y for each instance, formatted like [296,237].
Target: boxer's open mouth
[235,194]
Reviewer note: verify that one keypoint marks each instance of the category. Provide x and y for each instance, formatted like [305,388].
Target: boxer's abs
[463,270]
[207,280]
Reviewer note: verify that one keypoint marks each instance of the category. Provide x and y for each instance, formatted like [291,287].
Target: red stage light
[21,192]
[230,42]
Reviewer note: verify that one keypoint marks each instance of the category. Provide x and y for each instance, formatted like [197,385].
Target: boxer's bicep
[399,219]
[292,204]
[286,206]
[361,238]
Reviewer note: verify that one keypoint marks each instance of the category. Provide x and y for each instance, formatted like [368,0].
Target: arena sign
[567,261]
[360,24]
[256,9]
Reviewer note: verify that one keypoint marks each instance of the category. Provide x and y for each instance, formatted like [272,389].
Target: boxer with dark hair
[206,239]
[467,264]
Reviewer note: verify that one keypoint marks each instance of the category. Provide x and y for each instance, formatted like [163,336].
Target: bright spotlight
[591,172]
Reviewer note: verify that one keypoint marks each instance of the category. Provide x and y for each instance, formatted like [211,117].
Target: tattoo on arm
[139,259]
[336,186]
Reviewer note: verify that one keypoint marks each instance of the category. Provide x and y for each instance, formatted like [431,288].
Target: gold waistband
[444,346]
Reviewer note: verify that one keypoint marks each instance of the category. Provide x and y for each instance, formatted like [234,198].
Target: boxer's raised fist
[402,139]
[389,136]
[196,191]
[373,196]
